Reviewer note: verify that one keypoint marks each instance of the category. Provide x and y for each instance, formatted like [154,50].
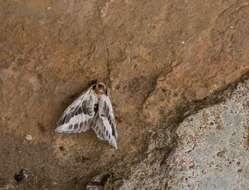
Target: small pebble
[28,137]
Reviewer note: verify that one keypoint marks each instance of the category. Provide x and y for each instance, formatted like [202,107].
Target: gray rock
[212,151]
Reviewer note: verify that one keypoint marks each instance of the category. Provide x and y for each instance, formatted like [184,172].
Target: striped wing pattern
[82,115]
[105,127]
[78,116]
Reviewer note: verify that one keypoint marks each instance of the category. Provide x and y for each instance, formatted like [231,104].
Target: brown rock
[207,64]
[158,57]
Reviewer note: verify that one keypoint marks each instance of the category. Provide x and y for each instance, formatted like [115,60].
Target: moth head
[100,88]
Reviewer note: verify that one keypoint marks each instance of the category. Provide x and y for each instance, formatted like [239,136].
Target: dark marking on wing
[106,110]
[76,126]
[96,108]
[83,108]
[78,111]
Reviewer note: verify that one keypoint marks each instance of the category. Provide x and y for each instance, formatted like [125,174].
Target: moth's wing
[105,126]
[106,110]
[103,130]
[77,117]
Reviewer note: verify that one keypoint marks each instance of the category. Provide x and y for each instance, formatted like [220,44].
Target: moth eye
[100,85]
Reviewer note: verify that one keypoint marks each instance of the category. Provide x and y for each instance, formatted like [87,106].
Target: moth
[91,110]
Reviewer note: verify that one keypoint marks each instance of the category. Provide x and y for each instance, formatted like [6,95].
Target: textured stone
[216,58]
[28,137]
[159,59]
[212,150]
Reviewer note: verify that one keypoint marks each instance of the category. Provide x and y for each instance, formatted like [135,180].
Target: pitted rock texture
[162,61]
[212,150]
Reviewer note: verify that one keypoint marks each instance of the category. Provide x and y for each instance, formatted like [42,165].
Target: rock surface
[212,149]
[162,60]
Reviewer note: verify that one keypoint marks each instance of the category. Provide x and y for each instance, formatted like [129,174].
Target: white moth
[92,110]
